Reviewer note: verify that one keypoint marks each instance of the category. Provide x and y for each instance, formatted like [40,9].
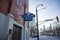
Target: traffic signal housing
[57,18]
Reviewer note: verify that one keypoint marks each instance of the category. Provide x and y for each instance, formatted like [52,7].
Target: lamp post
[37,18]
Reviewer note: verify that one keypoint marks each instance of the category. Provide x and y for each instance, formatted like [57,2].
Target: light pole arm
[38,6]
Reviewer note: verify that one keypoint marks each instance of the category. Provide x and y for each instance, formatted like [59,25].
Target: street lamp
[37,18]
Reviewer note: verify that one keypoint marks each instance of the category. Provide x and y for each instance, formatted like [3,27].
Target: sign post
[28,17]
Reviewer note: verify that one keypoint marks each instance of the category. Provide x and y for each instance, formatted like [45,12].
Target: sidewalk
[32,38]
[45,38]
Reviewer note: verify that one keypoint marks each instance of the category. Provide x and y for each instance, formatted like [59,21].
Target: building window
[0,0]
[17,2]
[20,5]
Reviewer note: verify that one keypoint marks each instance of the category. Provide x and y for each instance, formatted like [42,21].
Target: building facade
[15,7]
[11,12]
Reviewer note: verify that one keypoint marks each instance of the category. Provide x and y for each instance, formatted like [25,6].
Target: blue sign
[28,16]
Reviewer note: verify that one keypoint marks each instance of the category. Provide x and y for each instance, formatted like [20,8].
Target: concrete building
[11,20]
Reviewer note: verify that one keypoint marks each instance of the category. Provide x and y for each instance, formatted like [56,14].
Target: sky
[52,10]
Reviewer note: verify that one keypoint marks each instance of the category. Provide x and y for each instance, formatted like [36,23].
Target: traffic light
[57,18]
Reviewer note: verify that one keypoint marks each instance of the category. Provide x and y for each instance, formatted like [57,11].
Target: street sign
[28,16]
[49,20]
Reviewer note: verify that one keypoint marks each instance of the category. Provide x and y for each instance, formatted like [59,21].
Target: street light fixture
[37,18]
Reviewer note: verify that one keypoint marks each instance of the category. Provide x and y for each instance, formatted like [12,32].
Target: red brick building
[16,8]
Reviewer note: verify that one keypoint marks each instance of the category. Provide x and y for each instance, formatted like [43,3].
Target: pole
[28,30]
[37,19]
[24,30]
[37,24]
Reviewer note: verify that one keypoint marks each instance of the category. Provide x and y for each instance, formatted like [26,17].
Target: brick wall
[4,6]
[16,7]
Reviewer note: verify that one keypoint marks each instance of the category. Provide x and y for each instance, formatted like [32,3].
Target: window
[17,2]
